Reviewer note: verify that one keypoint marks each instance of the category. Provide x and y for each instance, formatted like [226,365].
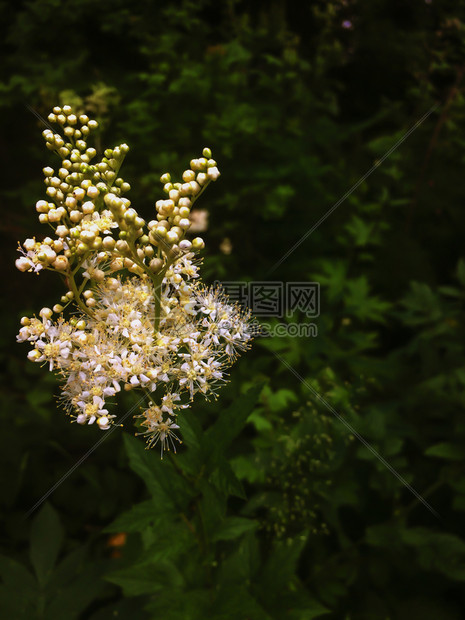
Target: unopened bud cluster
[141,317]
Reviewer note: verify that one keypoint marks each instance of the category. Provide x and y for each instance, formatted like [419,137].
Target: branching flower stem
[142,322]
[77,294]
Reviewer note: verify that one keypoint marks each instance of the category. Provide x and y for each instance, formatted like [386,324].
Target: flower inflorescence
[140,317]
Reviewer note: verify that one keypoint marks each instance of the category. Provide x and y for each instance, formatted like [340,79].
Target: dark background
[297,100]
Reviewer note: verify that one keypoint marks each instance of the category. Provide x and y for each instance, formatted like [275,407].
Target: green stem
[204,187]
[77,296]
[79,264]
[158,278]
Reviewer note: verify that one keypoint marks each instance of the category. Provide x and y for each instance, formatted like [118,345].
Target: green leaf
[139,462]
[170,539]
[245,468]
[68,568]
[46,540]
[17,578]
[242,564]
[360,230]
[445,450]
[147,578]
[68,601]
[226,480]
[191,460]
[260,422]
[383,535]
[444,553]
[461,271]
[308,609]
[280,567]
[171,603]
[236,602]
[191,430]
[15,607]
[139,517]
[167,487]
[122,609]
[231,421]
[234,527]
[458,503]
[212,506]
[450,291]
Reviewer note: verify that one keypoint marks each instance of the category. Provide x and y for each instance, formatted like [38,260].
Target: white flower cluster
[142,319]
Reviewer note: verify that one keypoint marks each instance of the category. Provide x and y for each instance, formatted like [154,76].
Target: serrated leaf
[190,460]
[16,607]
[231,421]
[180,604]
[70,600]
[139,517]
[67,568]
[191,430]
[236,602]
[213,506]
[139,462]
[167,487]
[46,540]
[458,503]
[260,422]
[461,271]
[234,527]
[280,567]
[445,450]
[437,551]
[16,577]
[384,535]
[241,565]
[125,608]
[226,480]
[147,578]
[450,291]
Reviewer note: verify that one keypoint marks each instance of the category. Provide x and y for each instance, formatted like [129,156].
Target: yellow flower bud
[75,216]
[122,246]
[108,243]
[202,178]
[60,263]
[195,187]
[172,236]
[88,207]
[46,313]
[23,264]
[188,175]
[213,173]
[92,192]
[198,243]
[155,265]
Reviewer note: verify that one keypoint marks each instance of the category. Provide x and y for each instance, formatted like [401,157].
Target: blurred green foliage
[272,508]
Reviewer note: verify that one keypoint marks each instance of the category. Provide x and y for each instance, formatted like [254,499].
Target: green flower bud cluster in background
[140,318]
